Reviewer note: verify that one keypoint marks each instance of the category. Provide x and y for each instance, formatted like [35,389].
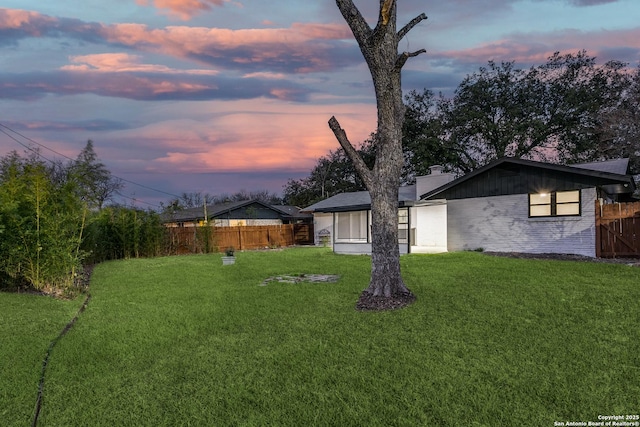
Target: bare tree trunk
[379,47]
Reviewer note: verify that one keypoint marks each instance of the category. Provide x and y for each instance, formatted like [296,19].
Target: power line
[3,127]
[36,152]
[30,140]
[133,199]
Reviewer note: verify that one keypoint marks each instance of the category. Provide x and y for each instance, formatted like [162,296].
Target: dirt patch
[300,278]
[368,302]
[634,262]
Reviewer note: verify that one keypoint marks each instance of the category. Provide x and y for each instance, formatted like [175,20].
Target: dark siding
[252,211]
[518,179]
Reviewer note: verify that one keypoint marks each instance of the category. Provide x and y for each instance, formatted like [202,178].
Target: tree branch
[403,57]
[356,21]
[415,21]
[361,167]
[385,12]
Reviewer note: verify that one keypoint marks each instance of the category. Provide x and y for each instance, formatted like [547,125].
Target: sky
[218,96]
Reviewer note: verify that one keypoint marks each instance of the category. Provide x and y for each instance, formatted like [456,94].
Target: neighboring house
[509,205]
[243,213]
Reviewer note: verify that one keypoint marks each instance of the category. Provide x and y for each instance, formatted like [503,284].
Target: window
[403,226]
[568,202]
[557,203]
[540,204]
[352,226]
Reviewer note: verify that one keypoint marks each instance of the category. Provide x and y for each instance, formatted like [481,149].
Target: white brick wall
[502,224]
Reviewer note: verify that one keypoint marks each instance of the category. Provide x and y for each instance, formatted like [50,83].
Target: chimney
[436,169]
[436,178]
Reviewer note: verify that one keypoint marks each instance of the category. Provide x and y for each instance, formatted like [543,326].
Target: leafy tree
[379,47]
[551,112]
[619,125]
[576,94]
[96,185]
[422,142]
[41,222]
[487,117]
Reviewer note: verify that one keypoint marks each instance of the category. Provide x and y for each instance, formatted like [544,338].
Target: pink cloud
[200,39]
[184,9]
[298,45]
[265,137]
[123,62]
[536,48]
[299,48]
[15,18]
[322,31]
[265,75]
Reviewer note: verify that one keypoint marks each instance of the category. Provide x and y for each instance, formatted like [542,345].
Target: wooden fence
[618,230]
[184,240]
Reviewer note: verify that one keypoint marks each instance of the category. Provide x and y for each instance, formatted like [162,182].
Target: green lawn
[185,341]
[28,323]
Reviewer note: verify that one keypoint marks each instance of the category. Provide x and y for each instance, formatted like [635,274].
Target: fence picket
[618,230]
[218,239]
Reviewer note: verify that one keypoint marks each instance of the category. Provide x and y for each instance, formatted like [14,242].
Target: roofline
[234,205]
[362,207]
[523,162]
[351,208]
[246,202]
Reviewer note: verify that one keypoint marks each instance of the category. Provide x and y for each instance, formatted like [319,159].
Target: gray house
[509,205]
[242,213]
[346,218]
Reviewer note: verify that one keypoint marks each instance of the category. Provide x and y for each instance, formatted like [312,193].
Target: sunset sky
[217,96]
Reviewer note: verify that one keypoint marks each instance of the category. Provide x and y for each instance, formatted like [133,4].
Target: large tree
[554,112]
[423,143]
[379,46]
[619,124]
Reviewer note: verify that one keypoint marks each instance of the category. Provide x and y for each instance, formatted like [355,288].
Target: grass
[490,341]
[28,323]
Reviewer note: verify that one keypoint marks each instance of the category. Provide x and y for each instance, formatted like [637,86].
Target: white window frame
[359,226]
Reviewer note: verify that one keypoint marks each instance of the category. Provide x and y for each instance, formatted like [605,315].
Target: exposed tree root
[368,302]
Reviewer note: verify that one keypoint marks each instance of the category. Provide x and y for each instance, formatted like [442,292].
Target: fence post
[598,231]
[293,234]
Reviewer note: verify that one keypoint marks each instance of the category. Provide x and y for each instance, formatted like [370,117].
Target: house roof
[599,170]
[619,166]
[213,211]
[292,211]
[359,200]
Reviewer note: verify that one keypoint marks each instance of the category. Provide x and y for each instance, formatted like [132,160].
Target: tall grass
[490,341]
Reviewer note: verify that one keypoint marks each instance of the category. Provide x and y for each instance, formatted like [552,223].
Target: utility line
[133,199]
[3,127]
